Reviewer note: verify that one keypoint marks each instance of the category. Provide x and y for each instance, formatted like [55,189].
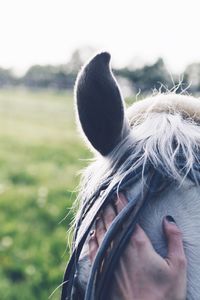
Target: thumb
[176,253]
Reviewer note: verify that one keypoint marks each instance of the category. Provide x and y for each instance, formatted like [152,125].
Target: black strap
[99,278]
[68,279]
[122,241]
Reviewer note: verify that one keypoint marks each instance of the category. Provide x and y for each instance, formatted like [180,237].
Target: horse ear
[100,105]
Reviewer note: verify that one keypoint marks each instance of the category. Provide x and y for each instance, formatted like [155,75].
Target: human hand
[141,273]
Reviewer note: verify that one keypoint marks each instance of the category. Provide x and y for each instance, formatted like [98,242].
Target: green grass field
[40,155]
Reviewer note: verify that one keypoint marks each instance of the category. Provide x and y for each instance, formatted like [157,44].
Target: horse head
[150,152]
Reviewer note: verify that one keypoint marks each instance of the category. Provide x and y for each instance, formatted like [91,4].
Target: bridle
[119,232]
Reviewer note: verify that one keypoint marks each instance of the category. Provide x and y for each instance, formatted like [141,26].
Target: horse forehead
[181,202]
[167,103]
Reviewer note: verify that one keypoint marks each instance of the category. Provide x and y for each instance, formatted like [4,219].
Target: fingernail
[170,219]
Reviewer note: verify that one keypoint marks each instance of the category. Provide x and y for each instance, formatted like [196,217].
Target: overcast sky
[47,31]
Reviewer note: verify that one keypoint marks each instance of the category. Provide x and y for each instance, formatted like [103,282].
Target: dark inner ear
[100,106]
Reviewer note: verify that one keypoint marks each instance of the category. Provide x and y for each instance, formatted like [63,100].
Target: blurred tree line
[144,79]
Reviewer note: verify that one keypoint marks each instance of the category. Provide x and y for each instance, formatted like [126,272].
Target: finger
[140,240]
[108,216]
[100,230]
[175,243]
[93,246]
[120,202]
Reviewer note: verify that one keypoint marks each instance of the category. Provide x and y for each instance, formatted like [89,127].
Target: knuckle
[91,241]
[175,232]
[101,231]
[109,217]
[99,224]
[182,262]
[138,241]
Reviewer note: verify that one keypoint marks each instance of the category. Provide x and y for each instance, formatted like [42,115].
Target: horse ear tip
[104,56]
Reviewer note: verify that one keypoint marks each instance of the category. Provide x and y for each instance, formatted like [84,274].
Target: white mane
[166,103]
[156,123]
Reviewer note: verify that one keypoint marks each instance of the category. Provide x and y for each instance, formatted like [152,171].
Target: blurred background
[154,45]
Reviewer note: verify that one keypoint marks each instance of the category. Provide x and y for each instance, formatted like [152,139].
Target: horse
[150,152]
